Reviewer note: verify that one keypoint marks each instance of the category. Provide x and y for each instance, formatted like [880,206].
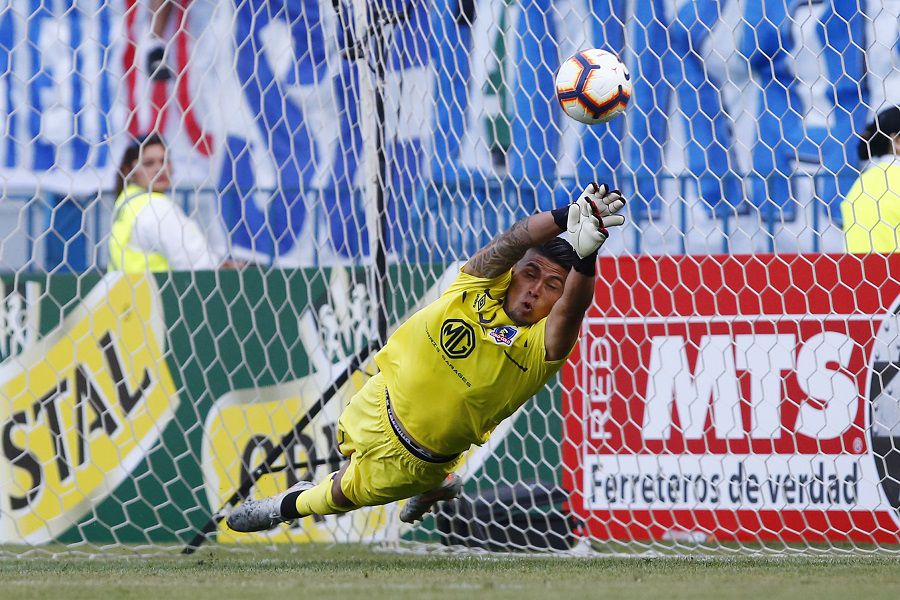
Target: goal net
[732,389]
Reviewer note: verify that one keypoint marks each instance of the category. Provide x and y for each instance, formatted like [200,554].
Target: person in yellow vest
[871,211]
[149,231]
[458,367]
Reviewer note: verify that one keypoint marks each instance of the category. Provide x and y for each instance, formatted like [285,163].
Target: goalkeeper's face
[537,283]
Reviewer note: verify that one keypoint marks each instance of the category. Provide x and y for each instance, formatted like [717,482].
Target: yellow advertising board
[81,407]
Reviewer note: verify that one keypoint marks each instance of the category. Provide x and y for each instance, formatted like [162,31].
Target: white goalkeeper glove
[588,219]
[605,203]
[584,231]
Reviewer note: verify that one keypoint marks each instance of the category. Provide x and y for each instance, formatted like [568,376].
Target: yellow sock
[318,500]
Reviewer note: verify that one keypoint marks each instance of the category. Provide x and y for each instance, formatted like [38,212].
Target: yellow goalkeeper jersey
[459,366]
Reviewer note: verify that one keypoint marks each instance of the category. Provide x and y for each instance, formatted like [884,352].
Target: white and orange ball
[593,86]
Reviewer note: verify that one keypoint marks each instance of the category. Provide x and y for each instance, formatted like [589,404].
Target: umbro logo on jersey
[457,338]
[480,301]
[504,334]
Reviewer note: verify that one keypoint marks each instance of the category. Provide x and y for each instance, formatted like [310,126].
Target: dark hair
[131,155]
[559,251]
[876,139]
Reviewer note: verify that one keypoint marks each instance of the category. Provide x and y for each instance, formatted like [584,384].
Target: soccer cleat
[416,507]
[262,515]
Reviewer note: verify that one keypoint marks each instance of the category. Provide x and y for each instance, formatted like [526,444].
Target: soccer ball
[593,86]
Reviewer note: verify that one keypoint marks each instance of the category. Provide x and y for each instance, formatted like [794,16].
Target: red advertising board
[738,397]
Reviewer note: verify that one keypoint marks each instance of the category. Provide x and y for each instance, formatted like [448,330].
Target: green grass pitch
[358,572]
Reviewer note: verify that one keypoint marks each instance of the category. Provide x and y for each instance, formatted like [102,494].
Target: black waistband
[409,443]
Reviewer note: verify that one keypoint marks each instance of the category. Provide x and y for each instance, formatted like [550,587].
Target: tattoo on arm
[502,252]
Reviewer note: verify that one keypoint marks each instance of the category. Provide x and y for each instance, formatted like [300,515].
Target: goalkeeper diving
[458,367]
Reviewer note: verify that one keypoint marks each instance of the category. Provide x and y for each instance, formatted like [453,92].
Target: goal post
[732,388]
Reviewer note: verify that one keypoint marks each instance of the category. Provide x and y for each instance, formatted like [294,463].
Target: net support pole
[371,26]
[370,21]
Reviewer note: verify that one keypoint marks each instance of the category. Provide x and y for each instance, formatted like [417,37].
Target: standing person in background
[149,231]
[871,210]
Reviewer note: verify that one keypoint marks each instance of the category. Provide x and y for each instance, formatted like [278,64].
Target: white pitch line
[786,318]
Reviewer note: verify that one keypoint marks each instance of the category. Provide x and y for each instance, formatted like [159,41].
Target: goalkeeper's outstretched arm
[507,248]
[585,220]
[587,227]
[564,320]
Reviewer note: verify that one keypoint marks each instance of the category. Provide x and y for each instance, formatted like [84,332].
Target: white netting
[733,387]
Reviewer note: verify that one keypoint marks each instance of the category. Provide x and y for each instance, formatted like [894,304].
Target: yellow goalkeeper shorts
[381,469]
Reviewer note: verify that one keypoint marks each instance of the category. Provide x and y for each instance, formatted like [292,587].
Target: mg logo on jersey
[457,338]
[738,396]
